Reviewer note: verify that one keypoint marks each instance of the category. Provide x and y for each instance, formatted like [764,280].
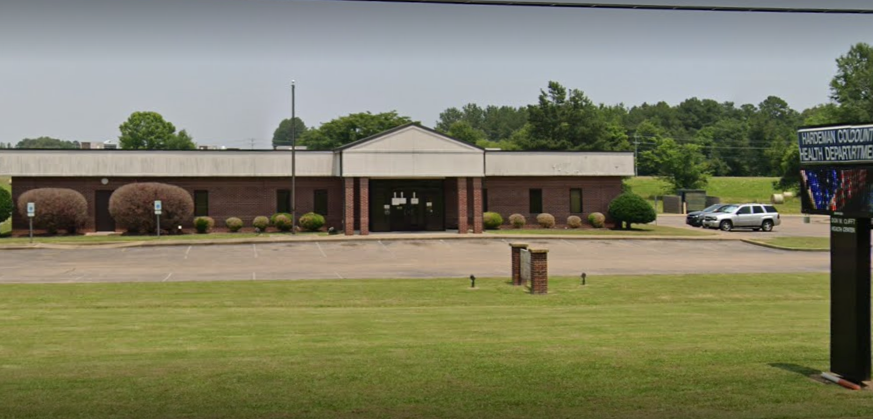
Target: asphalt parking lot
[393,259]
[791,226]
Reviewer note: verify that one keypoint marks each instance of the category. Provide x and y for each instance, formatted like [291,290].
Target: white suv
[754,216]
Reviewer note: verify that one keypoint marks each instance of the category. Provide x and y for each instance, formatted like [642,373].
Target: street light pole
[293,166]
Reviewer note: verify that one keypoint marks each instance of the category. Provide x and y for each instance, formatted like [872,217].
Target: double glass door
[406,205]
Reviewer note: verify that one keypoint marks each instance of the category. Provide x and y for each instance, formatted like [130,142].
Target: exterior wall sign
[845,144]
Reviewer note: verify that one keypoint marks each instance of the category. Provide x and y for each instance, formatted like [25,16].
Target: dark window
[201,203]
[320,200]
[484,200]
[770,208]
[758,210]
[536,201]
[745,210]
[576,201]
[283,200]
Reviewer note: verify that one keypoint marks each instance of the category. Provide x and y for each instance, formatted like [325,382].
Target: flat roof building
[410,178]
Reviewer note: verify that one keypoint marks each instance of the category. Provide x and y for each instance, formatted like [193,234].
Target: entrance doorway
[103,221]
[407,205]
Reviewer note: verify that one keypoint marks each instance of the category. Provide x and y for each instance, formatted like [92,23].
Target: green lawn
[729,189]
[800,243]
[637,230]
[81,239]
[707,346]
[5,226]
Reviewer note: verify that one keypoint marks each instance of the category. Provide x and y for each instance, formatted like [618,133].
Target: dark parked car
[695,219]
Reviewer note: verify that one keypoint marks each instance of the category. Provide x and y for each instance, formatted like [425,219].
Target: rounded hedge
[56,209]
[133,206]
[628,208]
[574,222]
[282,222]
[546,220]
[517,220]
[233,224]
[273,217]
[6,206]
[203,225]
[596,219]
[311,221]
[492,220]
[261,223]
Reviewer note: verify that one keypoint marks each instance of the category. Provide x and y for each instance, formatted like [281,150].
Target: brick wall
[228,197]
[509,195]
[349,196]
[539,271]
[463,211]
[364,186]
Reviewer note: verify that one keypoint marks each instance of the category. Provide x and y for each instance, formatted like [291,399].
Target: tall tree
[46,142]
[462,130]
[353,127]
[852,87]
[149,131]
[282,134]
[680,165]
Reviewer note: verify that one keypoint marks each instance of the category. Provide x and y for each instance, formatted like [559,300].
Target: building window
[484,200]
[536,201]
[283,200]
[575,201]
[201,203]
[320,200]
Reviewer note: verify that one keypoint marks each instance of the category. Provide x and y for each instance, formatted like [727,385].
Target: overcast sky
[76,69]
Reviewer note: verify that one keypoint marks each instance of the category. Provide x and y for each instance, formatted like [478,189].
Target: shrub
[282,222]
[574,222]
[517,220]
[261,223]
[204,225]
[628,208]
[273,217]
[492,220]
[133,206]
[312,221]
[596,219]
[6,206]
[56,209]
[233,224]
[546,220]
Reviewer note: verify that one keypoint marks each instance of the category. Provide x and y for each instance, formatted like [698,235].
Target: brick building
[409,178]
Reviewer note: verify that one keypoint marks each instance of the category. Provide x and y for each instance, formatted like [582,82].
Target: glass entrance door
[406,205]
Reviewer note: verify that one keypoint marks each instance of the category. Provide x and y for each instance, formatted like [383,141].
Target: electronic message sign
[835,170]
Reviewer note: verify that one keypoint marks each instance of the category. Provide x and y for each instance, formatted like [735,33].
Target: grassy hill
[729,189]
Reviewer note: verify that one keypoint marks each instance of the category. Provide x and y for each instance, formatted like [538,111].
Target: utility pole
[293,166]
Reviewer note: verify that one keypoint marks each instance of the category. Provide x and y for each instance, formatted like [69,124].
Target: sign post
[31,212]
[837,179]
[158,210]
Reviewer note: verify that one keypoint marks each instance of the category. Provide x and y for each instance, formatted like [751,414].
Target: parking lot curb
[773,246]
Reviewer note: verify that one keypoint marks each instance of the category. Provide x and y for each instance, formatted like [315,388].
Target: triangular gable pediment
[411,139]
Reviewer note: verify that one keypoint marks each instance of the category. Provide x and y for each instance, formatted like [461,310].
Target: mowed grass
[635,231]
[729,346]
[800,243]
[83,239]
[5,226]
[733,190]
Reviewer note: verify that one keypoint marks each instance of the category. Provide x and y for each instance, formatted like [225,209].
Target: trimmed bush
[596,219]
[282,222]
[517,220]
[56,209]
[273,217]
[311,221]
[233,224]
[6,206]
[204,225]
[492,220]
[261,223]
[574,222]
[629,208]
[133,206]
[546,220]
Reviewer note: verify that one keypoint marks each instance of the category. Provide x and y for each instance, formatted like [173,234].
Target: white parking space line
[168,277]
[254,276]
[387,249]
[571,244]
[320,249]
[338,275]
[187,251]
[255,249]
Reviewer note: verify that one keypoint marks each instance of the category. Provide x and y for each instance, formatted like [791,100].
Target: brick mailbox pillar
[539,271]
[516,261]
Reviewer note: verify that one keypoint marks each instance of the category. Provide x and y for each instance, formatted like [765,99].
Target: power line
[617,6]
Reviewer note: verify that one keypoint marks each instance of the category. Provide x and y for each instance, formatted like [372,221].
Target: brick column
[516,261]
[349,221]
[462,206]
[539,271]
[364,191]
[477,205]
